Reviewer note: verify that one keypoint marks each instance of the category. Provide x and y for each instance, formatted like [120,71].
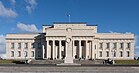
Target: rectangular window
[32,53]
[19,53]
[128,54]
[114,54]
[19,45]
[114,45]
[12,45]
[107,45]
[107,53]
[121,54]
[100,53]
[26,45]
[12,53]
[95,46]
[100,45]
[32,45]
[121,45]
[128,45]
[25,53]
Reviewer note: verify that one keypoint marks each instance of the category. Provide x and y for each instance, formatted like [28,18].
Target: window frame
[12,53]
[100,53]
[32,54]
[26,45]
[100,45]
[107,54]
[121,45]
[107,45]
[19,53]
[19,47]
[12,45]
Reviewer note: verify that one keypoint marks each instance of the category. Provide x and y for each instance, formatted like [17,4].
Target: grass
[6,61]
[116,62]
[11,61]
[127,61]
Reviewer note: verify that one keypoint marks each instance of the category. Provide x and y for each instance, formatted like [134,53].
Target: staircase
[46,62]
[87,62]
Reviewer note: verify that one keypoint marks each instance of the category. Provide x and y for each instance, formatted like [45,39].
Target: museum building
[84,43]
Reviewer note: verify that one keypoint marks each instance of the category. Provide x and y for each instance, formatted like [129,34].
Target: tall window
[121,45]
[114,45]
[32,53]
[19,45]
[121,54]
[12,45]
[100,45]
[26,45]
[19,53]
[114,54]
[12,53]
[32,45]
[100,53]
[26,54]
[95,46]
[107,53]
[107,45]
[128,54]
[128,45]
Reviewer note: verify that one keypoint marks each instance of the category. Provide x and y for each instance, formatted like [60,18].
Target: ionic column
[43,51]
[80,49]
[59,49]
[92,47]
[87,50]
[48,51]
[73,50]
[53,52]
[56,49]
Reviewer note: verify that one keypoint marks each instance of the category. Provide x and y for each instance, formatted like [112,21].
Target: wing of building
[87,43]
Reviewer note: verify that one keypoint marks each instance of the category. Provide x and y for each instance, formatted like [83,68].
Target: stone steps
[88,61]
[62,61]
[46,62]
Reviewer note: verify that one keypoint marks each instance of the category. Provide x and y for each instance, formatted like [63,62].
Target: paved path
[67,69]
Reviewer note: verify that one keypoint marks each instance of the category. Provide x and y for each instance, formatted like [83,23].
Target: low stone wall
[70,69]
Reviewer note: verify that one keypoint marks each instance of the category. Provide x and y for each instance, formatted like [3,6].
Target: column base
[68,60]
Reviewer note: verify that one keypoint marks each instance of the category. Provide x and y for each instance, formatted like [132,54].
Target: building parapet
[23,36]
[115,36]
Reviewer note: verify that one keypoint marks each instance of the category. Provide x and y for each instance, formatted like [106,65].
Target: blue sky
[110,15]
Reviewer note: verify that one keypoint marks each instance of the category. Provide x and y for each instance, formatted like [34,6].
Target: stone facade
[73,40]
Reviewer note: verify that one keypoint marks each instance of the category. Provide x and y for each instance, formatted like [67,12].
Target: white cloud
[136,47]
[27,27]
[2,39]
[13,2]
[5,12]
[2,46]
[31,4]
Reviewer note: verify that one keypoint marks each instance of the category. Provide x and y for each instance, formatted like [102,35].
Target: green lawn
[6,61]
[11,61]
[126,61]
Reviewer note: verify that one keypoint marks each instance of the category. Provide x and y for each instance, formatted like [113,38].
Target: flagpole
[69,18]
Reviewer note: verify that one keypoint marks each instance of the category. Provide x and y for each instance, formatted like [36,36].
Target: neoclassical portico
[81,49]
